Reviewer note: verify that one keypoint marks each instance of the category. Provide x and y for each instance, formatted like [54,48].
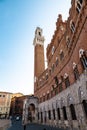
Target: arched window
[53,66]
[66,79]
[78,5]
[72,26]
[61,55]
[73,113]
[83,58]
[75,70]
[64,113]
[67,41]
[56,63]
[46,76]
[56,80]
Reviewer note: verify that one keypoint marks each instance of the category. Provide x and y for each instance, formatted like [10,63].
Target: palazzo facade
[61,89]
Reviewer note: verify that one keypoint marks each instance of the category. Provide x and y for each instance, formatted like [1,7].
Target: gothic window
[56,80]
[56,63]
[72,26]
[48,96]
[41,117]
[83,58]
[49,115]
[49,71]
[53,49]
[61,55]
[79,5]
[53,68]
[64,113]
[67,41]
[76,72]
[54,114]
[60,87]
[58,113]
[46,76]
[73,113]
[67,82]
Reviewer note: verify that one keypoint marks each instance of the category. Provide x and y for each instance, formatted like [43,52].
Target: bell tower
[39,64]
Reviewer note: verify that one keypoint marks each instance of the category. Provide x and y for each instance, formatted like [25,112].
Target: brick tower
[39,64]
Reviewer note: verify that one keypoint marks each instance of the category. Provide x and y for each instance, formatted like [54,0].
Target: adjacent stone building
[5,100]
[61,89]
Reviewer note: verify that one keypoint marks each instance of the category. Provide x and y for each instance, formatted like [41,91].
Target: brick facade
[63,85]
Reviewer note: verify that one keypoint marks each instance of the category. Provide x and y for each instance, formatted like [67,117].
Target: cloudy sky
[18,21]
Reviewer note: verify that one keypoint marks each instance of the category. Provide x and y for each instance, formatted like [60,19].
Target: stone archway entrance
[31,112]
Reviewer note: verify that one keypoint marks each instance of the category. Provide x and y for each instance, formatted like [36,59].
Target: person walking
[24,126]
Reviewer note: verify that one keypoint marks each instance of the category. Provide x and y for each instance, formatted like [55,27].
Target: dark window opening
[64,113]
[60,87]
[61,55]
[68,42]
[48,96]
[56,80]
[76,73]
[72,26]
[58,113]
[54,114]
[46,76]
[81,1]
[73,113]
[49,115]
[84,60]
[67,82]
[56,63]
[39,33]
[85,106]
[49,71]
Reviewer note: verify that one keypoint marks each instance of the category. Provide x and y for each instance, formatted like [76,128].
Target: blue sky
[18,21]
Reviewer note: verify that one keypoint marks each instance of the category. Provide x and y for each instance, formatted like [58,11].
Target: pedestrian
[24,126]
